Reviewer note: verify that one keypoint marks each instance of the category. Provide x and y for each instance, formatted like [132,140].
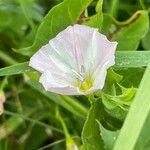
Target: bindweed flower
[75,62]
[2,100]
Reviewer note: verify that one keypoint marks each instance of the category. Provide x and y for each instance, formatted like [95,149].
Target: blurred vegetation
[30,120]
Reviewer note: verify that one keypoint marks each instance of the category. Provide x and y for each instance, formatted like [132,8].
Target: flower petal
[45,59]
[75,41]
[76,54]
[58,84]
[100,72]
[98,51]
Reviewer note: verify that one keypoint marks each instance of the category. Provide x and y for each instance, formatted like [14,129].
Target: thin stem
[59,117]
[52,144]
[33,121]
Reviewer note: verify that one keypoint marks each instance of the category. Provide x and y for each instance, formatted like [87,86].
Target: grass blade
[132,59]
[15,69]
[129,59]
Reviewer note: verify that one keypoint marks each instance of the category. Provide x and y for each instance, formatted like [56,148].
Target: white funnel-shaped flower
[75,62]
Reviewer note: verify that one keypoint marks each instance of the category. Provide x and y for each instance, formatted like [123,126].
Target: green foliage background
[116,118]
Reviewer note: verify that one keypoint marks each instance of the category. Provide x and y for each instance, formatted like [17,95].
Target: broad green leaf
[91,134]
[67,102]
[129,33]
[137,117]
[58,18]
[106,25]
[15,69]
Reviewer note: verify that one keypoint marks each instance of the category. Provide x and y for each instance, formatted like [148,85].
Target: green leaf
[107,22]
[137,117]
[58,18]
[108,136]
[131,31]
[71,104]
[111,79]
[117,105]
[131,76]
[15,69]
[91,134]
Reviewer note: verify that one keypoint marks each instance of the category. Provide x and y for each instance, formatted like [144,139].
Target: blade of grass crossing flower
[129,59]
[137,116]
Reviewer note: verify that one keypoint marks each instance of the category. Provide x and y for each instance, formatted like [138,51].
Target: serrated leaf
[109,137]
